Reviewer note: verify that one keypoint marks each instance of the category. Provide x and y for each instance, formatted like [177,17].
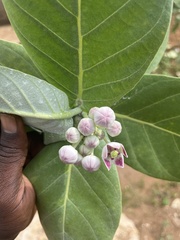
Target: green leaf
[91,48]
[177,2]
[154,64]
[73,203]
[14,56]
[150,115]
[41,105]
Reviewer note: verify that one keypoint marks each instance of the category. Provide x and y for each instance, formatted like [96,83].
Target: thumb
[13,140]
[13,151]
[17,197]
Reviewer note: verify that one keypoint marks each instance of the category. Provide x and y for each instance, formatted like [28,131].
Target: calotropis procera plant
[76,58]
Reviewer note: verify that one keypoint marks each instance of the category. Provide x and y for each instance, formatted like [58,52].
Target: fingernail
[8,123]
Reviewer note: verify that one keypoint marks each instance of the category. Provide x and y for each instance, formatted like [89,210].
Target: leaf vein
[154,103]
[20,90]
[146,123]
[37,20]
[78,210]
[66,9]
[166,119]
[106,19]
[94,192]
[155,154]
[118,80]
[129,46]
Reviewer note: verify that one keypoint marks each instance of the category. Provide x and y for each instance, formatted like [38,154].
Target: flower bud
[91,163]
[68,154]
[84,150]
[86,126]
[104,116]
[114,129]
[92,111]
[72,135]
[80,157]
[91,141]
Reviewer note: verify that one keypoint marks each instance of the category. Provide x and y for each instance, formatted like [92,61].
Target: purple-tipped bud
[72,135]
[86,126]
[68,154]
[92,111]
[84,150]
[91,163]
[104,116]
[114,129]
[91,141]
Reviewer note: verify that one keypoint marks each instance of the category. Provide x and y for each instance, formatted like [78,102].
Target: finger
[16,217]
[35,145]
[13,140]
[17,196]
[13,151]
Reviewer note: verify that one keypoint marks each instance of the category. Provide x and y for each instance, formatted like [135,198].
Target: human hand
[17,196]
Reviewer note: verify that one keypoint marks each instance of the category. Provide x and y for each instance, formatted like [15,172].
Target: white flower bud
[92,111]
[72,135]
[91,163]
[86,126]
[114,129]
[84,151]
[104,116]
[91,141]
[80,157]
[68,154]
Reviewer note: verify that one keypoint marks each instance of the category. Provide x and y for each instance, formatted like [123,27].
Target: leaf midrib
[146,123]
[66,198]
[80,76]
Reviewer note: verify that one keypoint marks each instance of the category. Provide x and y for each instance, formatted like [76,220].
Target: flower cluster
[97,125]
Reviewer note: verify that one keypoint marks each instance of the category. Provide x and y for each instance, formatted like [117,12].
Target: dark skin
[17,196]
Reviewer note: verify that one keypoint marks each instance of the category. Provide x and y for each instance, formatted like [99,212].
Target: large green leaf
[91,48]
[74,204]
[154,64]
[150,115]
[41,105]
[14,56]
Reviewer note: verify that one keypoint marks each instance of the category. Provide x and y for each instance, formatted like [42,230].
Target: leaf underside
[43,106]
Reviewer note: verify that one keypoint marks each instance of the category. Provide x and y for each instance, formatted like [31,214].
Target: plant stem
[71,113]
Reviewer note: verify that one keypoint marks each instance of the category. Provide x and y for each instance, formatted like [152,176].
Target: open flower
[113,153]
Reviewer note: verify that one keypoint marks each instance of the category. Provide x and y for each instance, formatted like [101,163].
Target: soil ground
[146,201]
